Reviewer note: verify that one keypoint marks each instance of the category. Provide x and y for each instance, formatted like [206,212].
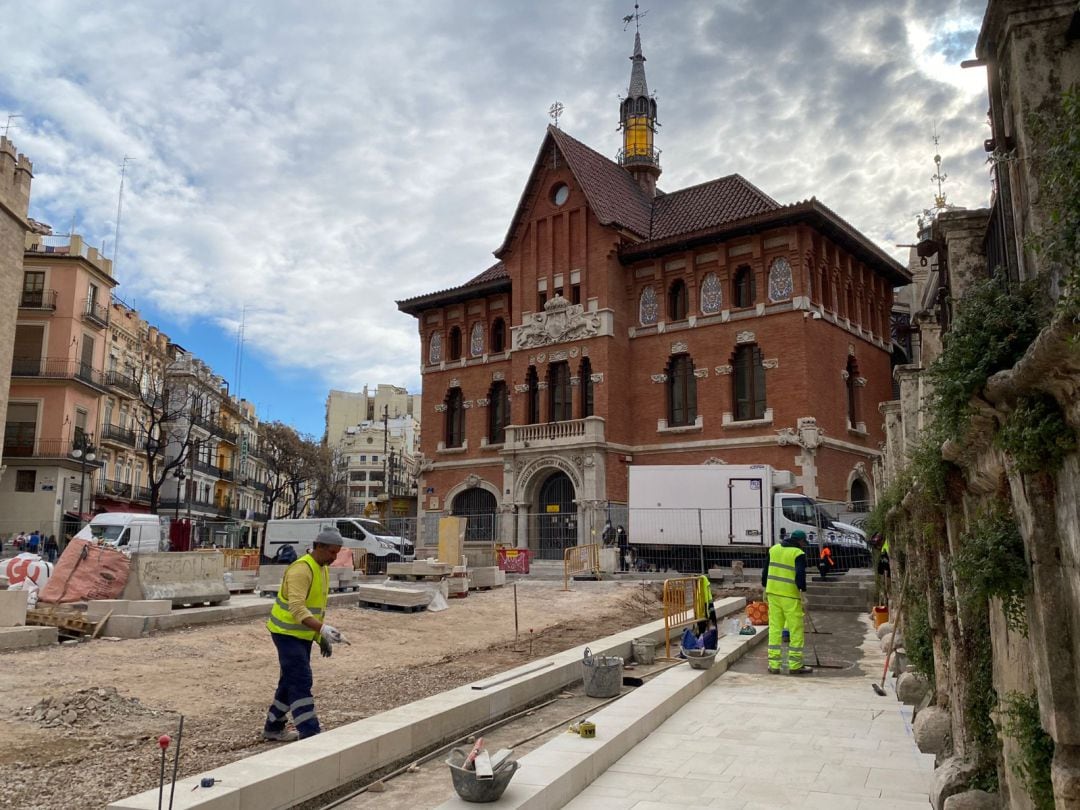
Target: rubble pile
[87,708]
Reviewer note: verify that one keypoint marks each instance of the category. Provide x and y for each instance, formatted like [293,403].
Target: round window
[560,194]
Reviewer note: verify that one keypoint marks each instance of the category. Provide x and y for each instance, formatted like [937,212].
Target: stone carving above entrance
[560,322]
[744,337]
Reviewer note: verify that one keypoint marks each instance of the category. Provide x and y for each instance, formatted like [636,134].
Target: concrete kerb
[554,773]
[302,770]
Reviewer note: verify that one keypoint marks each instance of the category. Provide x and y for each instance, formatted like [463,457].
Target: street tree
[289,460]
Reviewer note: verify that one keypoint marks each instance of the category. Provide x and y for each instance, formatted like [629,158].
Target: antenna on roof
[7,126]
[634,18]
[119,209]
[240,347]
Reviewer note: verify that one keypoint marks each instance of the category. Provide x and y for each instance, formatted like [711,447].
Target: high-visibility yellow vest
[702,598]
[885,547]
[282,621]
[781,581]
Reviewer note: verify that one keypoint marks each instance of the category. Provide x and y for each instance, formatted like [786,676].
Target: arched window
[498,412]
[712,294]
[744,287]
[682,391]
[677,300]
[454,349]
[860,496]
[455,418]
[559,403]
[435,348]
[781,281]
[749,380]
[852,374]
[532,380]
[476,340]
[498,335]
[586,385]
[648,310]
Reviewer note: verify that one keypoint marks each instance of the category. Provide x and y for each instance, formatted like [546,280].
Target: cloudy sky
[311,162]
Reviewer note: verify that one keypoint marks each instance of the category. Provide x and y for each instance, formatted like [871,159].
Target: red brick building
[624,325]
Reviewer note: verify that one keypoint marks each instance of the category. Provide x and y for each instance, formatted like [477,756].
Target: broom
[880,687]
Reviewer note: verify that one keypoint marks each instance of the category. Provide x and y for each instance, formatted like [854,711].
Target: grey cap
[330,537]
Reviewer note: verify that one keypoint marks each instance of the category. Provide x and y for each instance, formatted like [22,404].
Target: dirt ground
[221,678]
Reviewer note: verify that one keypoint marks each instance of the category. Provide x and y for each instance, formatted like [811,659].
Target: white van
[382,545]
[127,531]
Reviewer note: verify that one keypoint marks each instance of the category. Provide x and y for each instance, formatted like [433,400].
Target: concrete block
[12,608]
[486,577]
[147,607]
[98,609]
[24,638]
[184,577]
[128,626]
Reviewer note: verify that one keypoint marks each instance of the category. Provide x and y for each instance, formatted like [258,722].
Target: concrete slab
[98,609]
[24,638]
[12,608]
[148,607]
[121,626]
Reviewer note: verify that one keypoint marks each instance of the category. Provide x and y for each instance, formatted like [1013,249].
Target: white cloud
[314,163]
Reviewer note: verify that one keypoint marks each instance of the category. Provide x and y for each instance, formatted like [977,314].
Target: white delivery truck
[128,531]
[381,545]
[681,515]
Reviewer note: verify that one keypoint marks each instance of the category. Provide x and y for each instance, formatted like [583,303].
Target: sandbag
[87,571]
[26,566]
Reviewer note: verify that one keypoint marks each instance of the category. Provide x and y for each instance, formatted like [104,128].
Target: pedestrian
[884,567]
[825,562]
[34,542]
[608,535]
[51,548]
[784,579]
[296,620]
[20,542]
[623,543]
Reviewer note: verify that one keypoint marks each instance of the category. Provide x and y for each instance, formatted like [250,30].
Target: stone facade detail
[560,322]
[745,337]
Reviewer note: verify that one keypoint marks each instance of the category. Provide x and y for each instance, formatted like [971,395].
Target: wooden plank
[483,766]
[101,624]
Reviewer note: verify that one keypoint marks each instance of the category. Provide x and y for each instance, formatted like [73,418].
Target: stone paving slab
[752,741]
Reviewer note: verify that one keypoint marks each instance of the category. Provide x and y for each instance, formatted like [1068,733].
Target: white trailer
[688,515]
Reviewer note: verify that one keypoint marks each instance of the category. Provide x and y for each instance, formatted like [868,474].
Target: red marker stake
[163,743]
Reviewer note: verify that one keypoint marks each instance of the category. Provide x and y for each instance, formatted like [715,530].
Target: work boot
[280,736]
[774,671]
[801,671]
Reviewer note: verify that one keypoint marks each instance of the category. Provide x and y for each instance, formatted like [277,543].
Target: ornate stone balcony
[552,435]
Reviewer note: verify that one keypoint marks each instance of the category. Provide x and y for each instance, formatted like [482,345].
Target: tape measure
[587,729]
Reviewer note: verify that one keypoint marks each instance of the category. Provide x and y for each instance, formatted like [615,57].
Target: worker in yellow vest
[784,580]
[296,620]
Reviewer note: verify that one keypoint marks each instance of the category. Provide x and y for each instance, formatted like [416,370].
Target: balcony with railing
[550,435]
[44,300]
[109,488]
[114,434]
[97,313]
[21,447]
[122,382]
[57,368]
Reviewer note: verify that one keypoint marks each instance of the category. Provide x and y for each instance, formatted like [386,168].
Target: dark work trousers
[293,695]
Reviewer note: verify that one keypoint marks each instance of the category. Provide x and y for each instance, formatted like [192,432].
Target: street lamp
[84,452]
[178,474]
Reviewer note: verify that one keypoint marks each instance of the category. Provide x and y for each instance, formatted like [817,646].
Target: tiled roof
[717,202]
[497,272]
[613,193]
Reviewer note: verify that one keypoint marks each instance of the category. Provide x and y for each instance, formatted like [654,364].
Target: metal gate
[557,523]
[479,509]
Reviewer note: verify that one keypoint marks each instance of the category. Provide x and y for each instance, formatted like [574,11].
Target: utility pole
[386,451]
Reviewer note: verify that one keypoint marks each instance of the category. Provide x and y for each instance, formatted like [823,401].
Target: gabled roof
[613,194]
[708,205]
[494,279]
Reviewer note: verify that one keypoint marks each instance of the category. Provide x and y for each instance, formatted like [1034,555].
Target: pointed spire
[638,86]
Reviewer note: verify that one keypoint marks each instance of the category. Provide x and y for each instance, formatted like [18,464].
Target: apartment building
[57,382]
[380,459]
[347,409]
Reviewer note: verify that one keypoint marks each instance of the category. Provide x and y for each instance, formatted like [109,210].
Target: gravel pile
[87,708]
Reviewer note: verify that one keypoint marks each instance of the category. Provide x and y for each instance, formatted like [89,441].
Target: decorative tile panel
[712,294]
[781,283]
[648,309]
[476,340]
[435,348]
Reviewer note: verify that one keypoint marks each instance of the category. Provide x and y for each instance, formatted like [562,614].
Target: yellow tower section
[637,119]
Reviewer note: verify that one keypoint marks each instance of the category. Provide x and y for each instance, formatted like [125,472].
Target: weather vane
[634,18]
[938,176]
[555,110]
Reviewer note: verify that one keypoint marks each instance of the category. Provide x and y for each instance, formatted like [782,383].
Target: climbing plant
[1057,160]
[1020,722]
[990,563]
[992,330]
[1036,435]
[917,638]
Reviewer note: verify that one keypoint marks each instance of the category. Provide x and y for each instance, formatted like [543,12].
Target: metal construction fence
[580,560]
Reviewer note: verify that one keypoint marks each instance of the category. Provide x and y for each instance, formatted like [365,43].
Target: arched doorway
[860,497]
[480,509]
[557,527]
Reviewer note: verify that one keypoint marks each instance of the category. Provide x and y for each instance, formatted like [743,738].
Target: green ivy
[1036,435]
[990,563]
[1057,159]
[992,330]
[981,700]
[1020,721]
[917,637]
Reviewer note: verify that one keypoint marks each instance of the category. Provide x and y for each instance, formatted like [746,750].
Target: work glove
[326,649]
[331,634]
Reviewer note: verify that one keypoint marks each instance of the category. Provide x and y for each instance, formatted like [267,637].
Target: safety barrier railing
[580,560]
[678,606]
